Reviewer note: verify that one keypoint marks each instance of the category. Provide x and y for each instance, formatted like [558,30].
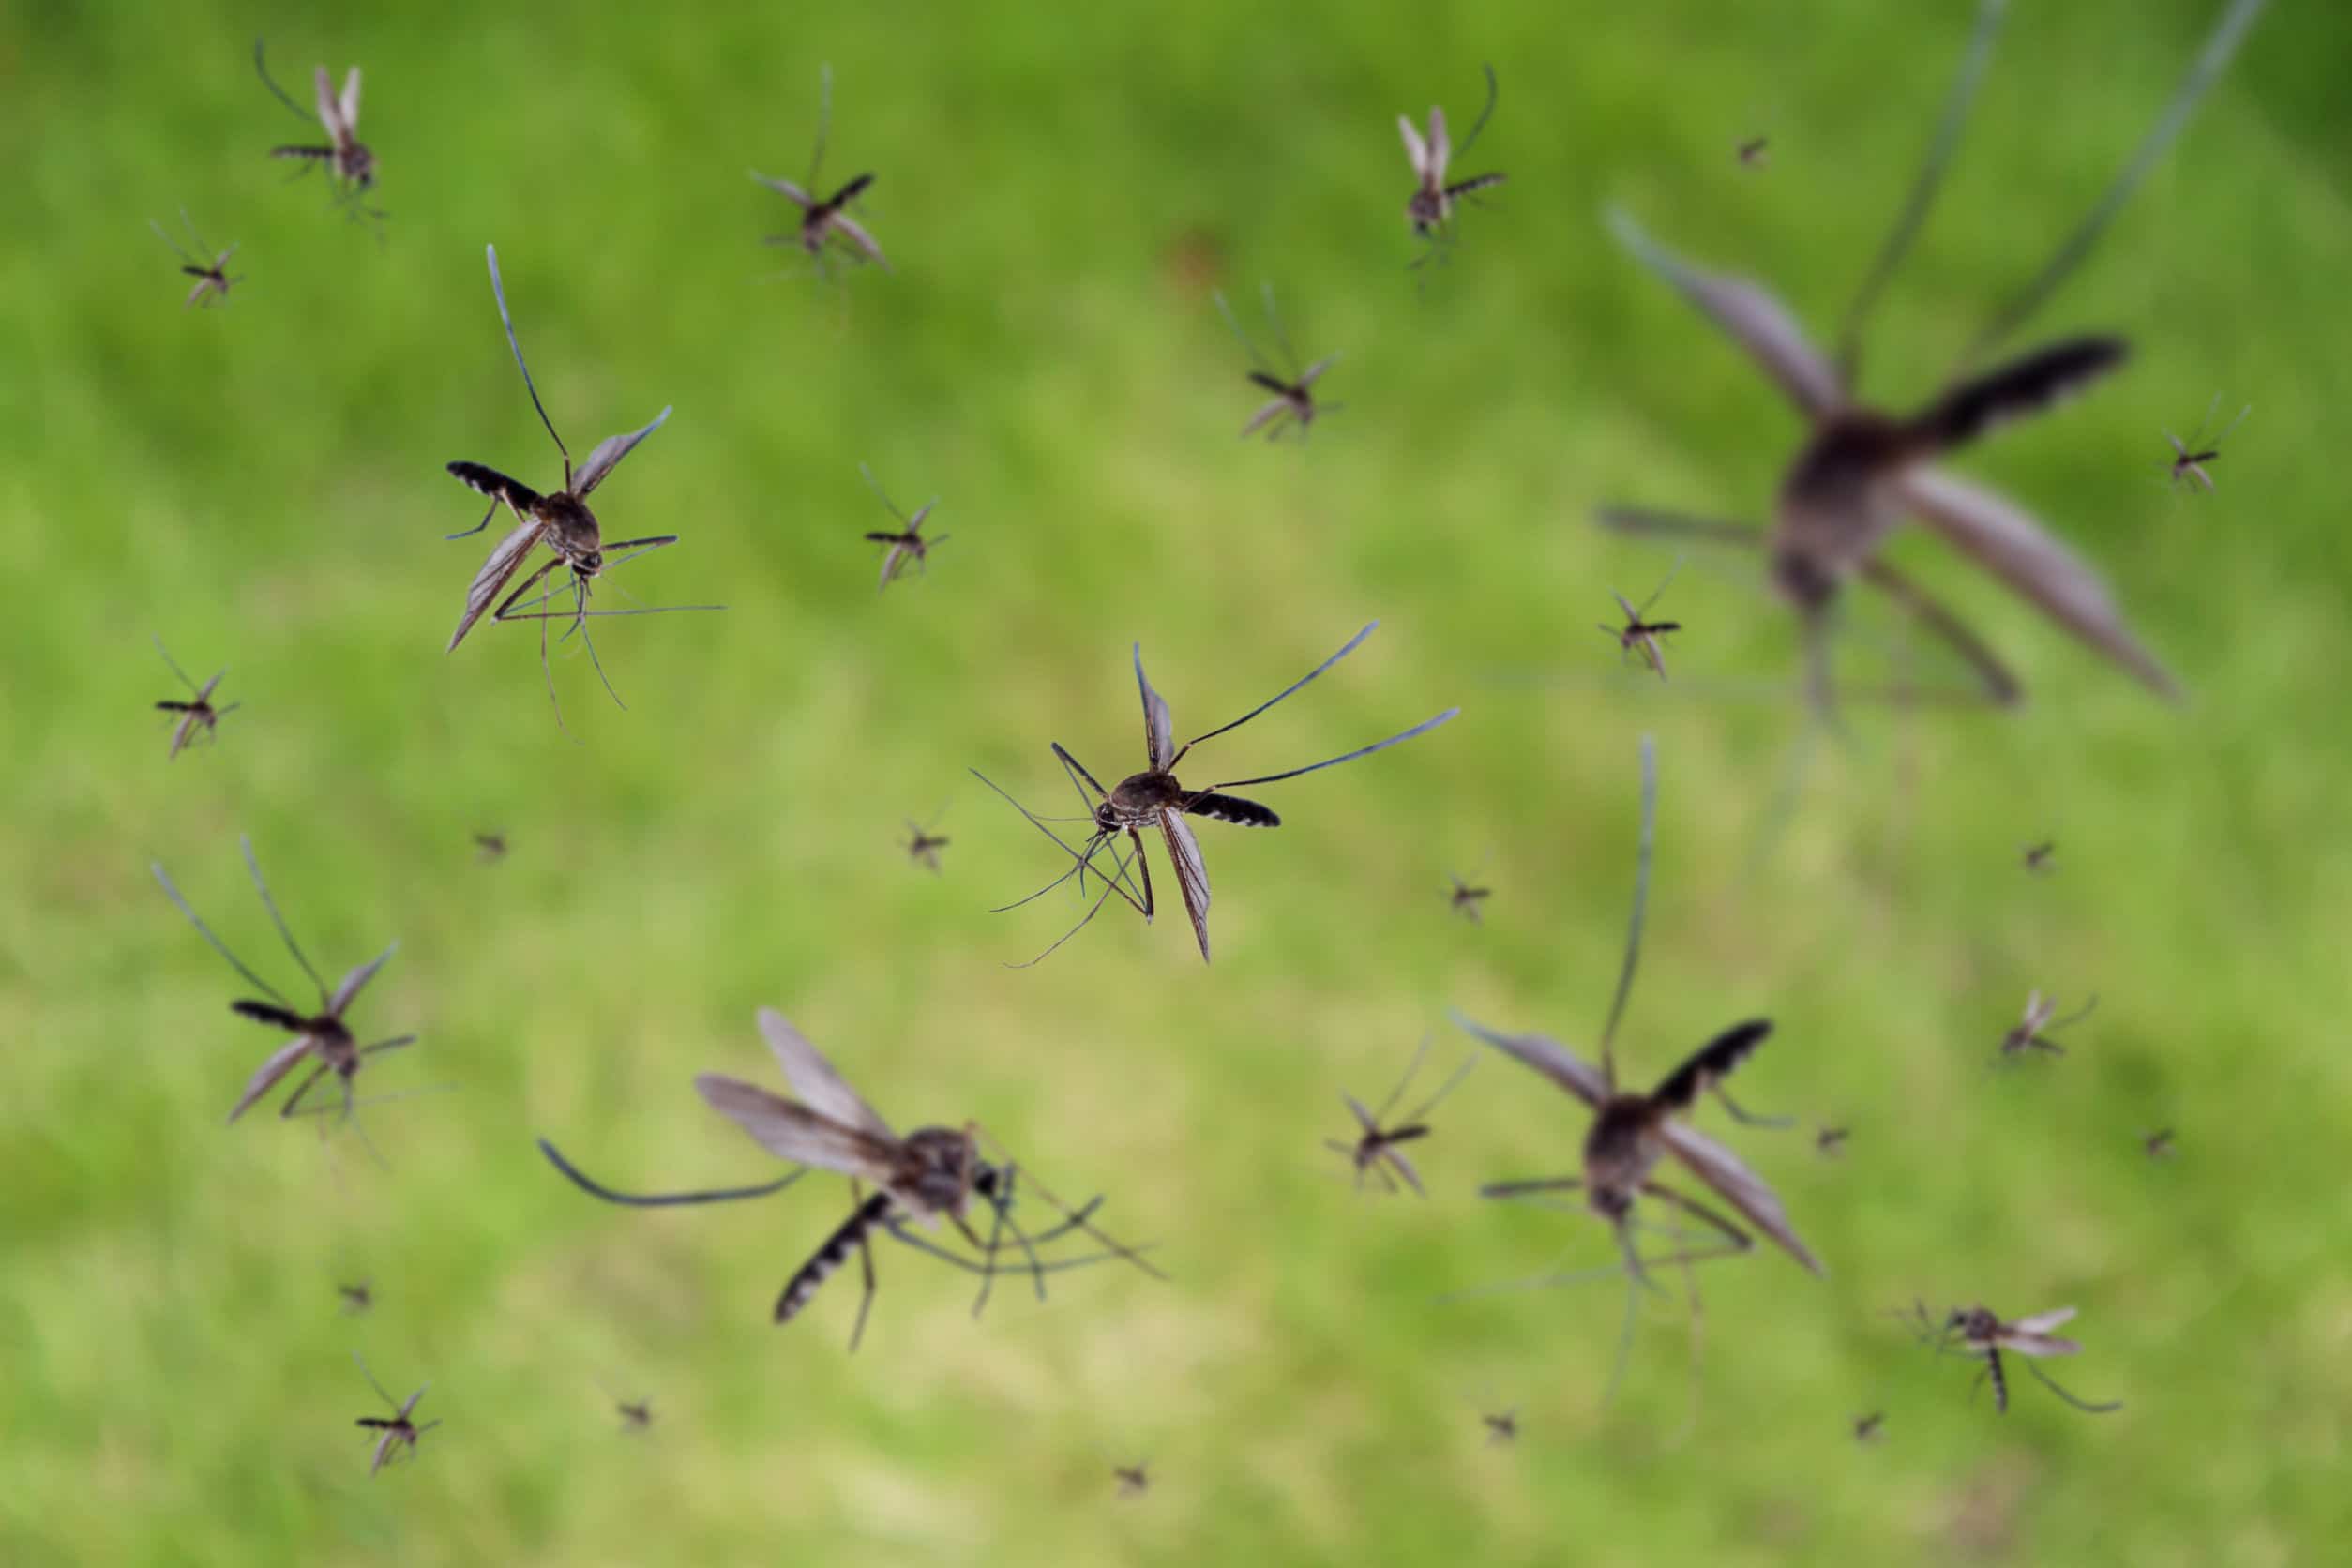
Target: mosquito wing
[1440,144]
[330,109]
[1315,371]
[348,992]
[786,188]
[391,1436]
[791,1131]
[1755,320]
[1363,1117]
[892,558]
[2016,1339]
[1739,1186]
[607,456]
[277,1066]
[492,578]
[349,103]
[1549,1057]
[1404,1167]
[1415,148]
[815,1079]
[2043,1322]
[859,237]
[180,732]
[1192,873]
[1159,731]
[1258,421]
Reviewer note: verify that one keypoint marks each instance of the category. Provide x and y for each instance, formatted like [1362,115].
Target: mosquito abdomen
[1232,809]
[830,1257]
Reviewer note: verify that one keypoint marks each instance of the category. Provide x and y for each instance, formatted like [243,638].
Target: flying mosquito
[2038,859]
[1830,1142]
[1502,1426]
[489,847]
[1631,1131]
[1646,638]
[1375,1151]
[1466,899]
[400,1428]
[209,269]
[2158,1143]
[1430,209]
[922,845]
[356,1298]
[827,219]
[1754,153]
[1134,1480]
[2189,459]
[1153,798]
[197,713]
[908,544]
[1871,1428]
[322,1037]
[928,1175]
[346,159]
[637,1415]
[1978,1333]
[1293,405]
[1863,471]
[2033,1030]
[560,520]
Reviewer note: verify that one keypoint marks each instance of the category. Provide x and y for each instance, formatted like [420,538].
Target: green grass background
[1059,188]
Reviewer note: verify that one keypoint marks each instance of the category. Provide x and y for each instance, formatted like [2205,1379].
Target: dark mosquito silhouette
[346,159]
[1466,899]
[922,845]
[1975,1331]
[1374,1152]
[929,1175]
[635,1415]
[1430,208]
[1754,152]
[1631,1131]
[824,219]
[2189,459]
[1646,638]
[1134,1480]
[1502,1426]
[321,1037]
[2033,1030]
[1153,798]
[908,543]
[197,715]
[356,1298]
[562,520]
[1863,471]
[209,269]
[1293,405]
[490,847]
[1871,1428]
[2158,1143]
[1830,1142]
[2038,859]
[399,1429]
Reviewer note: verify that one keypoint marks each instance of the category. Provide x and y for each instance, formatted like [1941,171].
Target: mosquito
[1631,1131]
[2158,1143]
[2187,468]
[922,845]
[1646,638]
[1863,471]
[928,1175]
[561,520]
[212,275]
[908,544]
[2033,1030]
[1830,1142]
[1502,1426]
[1754,152]
[635,1415]
[1153,798]
[1293,405]
[1134,1480]
[1375,1151]
[322,1037]
[400,1428]
[346,159]
[1871,1428]
[356,1298]
[1466,899]
[2038,859]
[1981,1333]
[1430,209]
[489,847]
[822,220]
[197,713]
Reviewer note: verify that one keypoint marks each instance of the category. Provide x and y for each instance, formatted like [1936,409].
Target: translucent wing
[348,992]
[859,237]
[1404,1167]
[791,1131]
[1441,144]
[785,188]
[1192,873]
[1415,148]
[1257,421]
[330,111]
[1739,1186]
[1548,1057]
[277,1066]
[2026,1343]
[1159,729]
[1315,371]
[1363,1117]
[1752,317]
[893,559]
[494,573]
[391,1436]
[607,456]
[349,103]
[815,1079]
[180,733]
[2043,1322]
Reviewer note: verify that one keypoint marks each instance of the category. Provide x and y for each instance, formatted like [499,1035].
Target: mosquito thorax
[940,1166]
[1147,792]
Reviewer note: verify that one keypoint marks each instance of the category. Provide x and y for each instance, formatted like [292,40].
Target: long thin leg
[218,946]
[271,904]
[1110,884]
[661,1200]
[866,1268]
[295,1098]
[2051,1383]
[1646,846]
[1141,905]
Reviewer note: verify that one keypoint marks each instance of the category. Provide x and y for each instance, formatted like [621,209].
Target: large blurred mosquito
[1631,1131]
[346,159]
[1293,403]
[1374,1152]
[908,543]
[1642,637]
[195,714]
[1430,208]
[209,269]
[2189,459]
[931,1174]
[1466,899]
[321,1037]
[561,520]
[824,219]
[1153,798]
[1863,471]
[399,1429]
[922,845]
[2032,1031]
[1976,1331]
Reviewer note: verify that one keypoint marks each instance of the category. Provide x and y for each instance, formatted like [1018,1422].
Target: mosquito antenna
[2052,1385]
[660,1201]
[2210,62]
[279,93]
[824,124]
[498,291]
[1940,154]
[1641,907]
[1494,92]
[1421,728]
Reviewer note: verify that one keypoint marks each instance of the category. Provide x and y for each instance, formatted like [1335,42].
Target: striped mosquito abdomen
[830,1257]
[1232,809]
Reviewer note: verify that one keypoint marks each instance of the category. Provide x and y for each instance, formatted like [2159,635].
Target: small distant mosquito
[1754,153]
[347,161]
[1502,1426]
[2158,1143]
[1153,798]
[635,1415]
[2189,458]
[321,1036]
[1430,209]
[908,544]
[1978,1333]
[1375,1150]
[197,713]
[1466,899]
[492,847]
[1871,1428]
[1638,636]
[922,845]
[1134,1480]
[356,1298]
[209,269]
[400,1428]
[824,219]
[1294,389]
[1831,1141]
[2038,859]
[2033,1030]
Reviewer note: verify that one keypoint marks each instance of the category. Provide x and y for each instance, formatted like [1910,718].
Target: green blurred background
[1060,189]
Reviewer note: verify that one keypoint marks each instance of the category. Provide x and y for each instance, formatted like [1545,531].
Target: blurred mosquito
[1646,638]
[2033,1030]
[397,1430]
[827,219]
[347,161]
[2038,859]
[1830,1142]
[928,1175]
[1375,1150]
[1754,153]
[2189,458]
[1631,1131]
[635,1415]
[1134,1480]
[209,269]
[356,1298]
[562,520]
[1293,405]
[1466,899]
[489,847]
[321,1036]
[1975,1331]
[196,714]
[1871,1428]
[2158,1143]
[1430,209]
[1502,1426]
[1863,471]
[922,845]
[1153,798]
[908,544]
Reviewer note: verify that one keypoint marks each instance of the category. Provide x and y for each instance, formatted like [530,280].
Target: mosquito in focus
[1374,1152]
[321,1037]
[346,159]
[195,714]
[489,848]
[2033,1030]
[1646,638]
[825,219]
[2038,857]
[923,846]
[1293,405]
[1830,1142]
[357,1298]
[560,520]
[399,1429]
[2158,1143]
[209,269]
[1975,1331]
[1466,899]
[2187,468]
[1153,798]
[1430,209]
[908,544]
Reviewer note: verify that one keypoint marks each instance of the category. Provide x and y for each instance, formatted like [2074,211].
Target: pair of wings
[833,1130]
[339,115]
[283,1060]
[839,216]
[1184,849]
[2032,1337]
[1430,157]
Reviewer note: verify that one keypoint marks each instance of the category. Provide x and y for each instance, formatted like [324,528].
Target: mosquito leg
[278,920]
[865,1268]
[477,527]
[1748,1118]
[295,1098]
[997,1202]
[393,1044]
[2051,1383]
[658,1200]
[1522,1189]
